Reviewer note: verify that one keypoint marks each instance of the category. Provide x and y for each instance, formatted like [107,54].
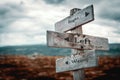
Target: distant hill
[44,50]
[34,49]
[114,49]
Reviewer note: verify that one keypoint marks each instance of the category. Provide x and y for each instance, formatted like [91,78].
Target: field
[13,67]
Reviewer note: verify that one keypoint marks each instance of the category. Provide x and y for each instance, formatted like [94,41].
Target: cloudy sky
[26,21]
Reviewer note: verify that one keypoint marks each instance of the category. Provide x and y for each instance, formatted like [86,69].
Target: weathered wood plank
[79,74]
[77,61]
[80,17]
[76,41]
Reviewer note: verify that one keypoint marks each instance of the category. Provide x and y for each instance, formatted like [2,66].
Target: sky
[25,22]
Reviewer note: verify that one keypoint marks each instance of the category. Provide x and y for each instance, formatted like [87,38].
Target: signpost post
[83,46]
[79,73]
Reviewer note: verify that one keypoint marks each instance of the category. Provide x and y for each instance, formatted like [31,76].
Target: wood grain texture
[77,61]
[76,41]
[79,74]
[79,18]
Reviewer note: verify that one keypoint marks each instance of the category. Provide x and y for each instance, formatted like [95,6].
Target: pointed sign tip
[86,14]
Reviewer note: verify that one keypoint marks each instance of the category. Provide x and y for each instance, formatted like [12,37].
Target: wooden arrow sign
[77,61]
[81,17]
[76,41]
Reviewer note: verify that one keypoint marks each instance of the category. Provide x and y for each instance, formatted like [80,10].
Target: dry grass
[43,68]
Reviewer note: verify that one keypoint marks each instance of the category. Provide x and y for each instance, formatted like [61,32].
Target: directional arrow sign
[76,41]
[77,61]
[81,17]
[86,14]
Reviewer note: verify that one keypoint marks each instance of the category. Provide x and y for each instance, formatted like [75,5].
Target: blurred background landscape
[37,62]
[24,54]
[49,51]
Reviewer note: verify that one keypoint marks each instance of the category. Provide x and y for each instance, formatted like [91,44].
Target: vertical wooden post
[77,74]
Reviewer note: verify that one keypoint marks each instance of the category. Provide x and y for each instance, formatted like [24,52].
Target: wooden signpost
[76,41]
[83,46]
